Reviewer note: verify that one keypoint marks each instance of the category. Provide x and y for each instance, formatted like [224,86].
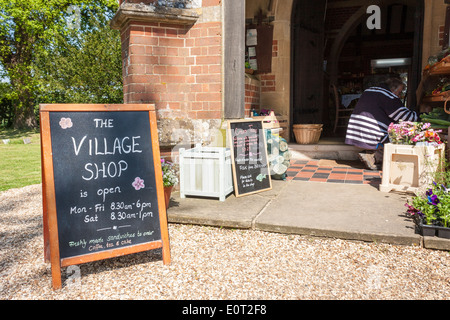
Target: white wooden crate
[206,172]
[410,168]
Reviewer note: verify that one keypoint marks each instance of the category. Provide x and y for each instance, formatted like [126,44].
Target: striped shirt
[377,108]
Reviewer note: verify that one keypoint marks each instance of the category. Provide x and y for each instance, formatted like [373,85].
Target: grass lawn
[20,164]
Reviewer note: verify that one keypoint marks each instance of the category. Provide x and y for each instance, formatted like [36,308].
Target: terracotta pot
[167,192]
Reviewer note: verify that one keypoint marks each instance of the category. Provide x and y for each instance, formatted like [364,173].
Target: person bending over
[376,109]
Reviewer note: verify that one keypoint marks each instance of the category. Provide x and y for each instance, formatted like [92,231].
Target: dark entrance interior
[308,33]
[332,45]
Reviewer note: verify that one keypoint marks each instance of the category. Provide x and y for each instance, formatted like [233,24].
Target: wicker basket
[307,133]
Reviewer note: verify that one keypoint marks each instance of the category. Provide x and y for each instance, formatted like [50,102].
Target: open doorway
[333,45]
[308,34]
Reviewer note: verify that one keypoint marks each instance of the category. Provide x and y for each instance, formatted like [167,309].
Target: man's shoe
[369,160]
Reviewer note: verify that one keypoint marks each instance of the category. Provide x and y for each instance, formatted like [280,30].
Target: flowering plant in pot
[413,133]
[170,178]
[431,211]
[169,173]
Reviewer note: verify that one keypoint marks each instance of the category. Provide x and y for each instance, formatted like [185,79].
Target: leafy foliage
[82,68]
[433,207]
[6,107]
[35,32]
[169,173]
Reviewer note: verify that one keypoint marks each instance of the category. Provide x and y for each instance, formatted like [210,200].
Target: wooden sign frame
[230,138]
[50,221]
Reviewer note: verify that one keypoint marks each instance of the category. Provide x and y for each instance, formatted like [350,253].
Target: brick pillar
[173,58]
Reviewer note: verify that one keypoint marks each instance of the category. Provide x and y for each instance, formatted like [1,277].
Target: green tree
[28,27]
[82,67]
[6,111]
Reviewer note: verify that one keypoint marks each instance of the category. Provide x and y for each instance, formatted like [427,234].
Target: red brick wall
[254,88]
[252,95]
[177,67]
[441,35]
[268,80]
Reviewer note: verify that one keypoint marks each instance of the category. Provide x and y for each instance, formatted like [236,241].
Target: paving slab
[357,212]
[234,212]
[344,211]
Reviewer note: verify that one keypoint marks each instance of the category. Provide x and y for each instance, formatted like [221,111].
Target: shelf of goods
[440,68]
[441,95]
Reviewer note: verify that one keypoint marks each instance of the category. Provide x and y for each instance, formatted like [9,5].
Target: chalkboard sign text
[102,183]
[249,157]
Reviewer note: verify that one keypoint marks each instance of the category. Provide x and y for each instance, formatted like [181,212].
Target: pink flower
[426,126]
[138,183]
[65,123]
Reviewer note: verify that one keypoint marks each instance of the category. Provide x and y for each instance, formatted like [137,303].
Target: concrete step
[330,149]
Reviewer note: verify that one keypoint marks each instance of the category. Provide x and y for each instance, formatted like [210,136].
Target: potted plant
[431,211]
[413,133]
[412,158]
[170,179]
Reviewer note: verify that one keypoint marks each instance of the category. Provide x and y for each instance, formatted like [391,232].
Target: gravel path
[213,263]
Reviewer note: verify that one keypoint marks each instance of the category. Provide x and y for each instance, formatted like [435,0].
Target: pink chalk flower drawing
[65,123]
[138,183]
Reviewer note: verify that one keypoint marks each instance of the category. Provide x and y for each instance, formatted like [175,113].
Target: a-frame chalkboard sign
[250,164]
[102,185]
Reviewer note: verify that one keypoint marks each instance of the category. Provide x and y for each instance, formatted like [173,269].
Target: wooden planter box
[206,172]
[409,168]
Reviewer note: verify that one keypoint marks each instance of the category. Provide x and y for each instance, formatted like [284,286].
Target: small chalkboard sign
[102,184]
[249,157]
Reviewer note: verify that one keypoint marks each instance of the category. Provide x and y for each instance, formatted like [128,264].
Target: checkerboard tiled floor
[322,171]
